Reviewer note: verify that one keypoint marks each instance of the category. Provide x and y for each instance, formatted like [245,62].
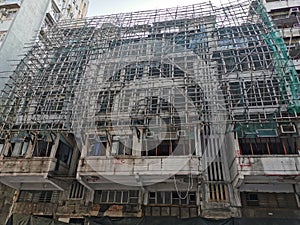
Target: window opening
[64,152]
[43,145]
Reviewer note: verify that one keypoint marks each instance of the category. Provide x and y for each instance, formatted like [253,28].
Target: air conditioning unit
[294,11]
[288,129]
[149,134]
[181,133]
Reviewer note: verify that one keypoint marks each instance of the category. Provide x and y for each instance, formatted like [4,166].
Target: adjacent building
[182,112]
[21,23]
[286,16]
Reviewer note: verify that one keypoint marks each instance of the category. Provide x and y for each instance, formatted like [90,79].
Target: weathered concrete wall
[272,205]
[6,201]
[269,165]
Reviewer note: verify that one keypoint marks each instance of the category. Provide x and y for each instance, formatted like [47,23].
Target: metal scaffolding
[184,68]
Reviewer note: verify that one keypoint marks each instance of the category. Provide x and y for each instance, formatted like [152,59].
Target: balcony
[35,162]
[21,173]
[265,169]
[134,171]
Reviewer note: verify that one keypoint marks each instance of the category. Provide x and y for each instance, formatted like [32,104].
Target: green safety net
[289,81]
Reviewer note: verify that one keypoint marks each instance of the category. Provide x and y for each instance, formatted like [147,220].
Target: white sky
[104,7]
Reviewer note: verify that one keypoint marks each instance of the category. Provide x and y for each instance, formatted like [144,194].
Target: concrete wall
[6,201]
[269,165]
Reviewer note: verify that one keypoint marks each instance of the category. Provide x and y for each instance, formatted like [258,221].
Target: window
[174,142]
[242,49]
[236,94]
[98,148]
[157,147]
[2,144]
[18,145]
[39,196]
[268,145]
[43,145]
[121,145]
[64,153]
[171,198]
[252,199]
[132,71]
[105,101]
[50,102]
[269,200]
[116,197]
[254,93]
[76,191]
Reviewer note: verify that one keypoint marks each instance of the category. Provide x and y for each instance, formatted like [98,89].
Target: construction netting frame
[191,66]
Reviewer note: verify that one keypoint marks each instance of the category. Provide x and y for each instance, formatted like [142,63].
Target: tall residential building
[153,117]
[286,15]
[21,21]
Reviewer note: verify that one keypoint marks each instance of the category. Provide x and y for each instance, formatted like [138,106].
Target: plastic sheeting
[192,221]
[18,219]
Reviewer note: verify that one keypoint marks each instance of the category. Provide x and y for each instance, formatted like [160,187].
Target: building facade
[286,16]
[22,21]
[184,112]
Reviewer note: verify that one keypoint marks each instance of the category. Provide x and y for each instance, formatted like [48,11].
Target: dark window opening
[252,199]
[39,196]
[64,153]
[105,101]
[154,70]
[76,221]
[43,146]
[155,147]
[268,146]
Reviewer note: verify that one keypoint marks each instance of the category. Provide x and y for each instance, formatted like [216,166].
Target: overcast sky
[103,7]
